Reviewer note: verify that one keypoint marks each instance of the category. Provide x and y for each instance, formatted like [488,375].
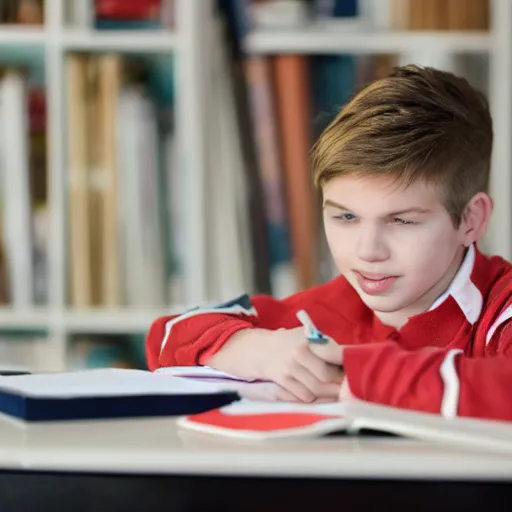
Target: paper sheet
[103,382]
[260,407]
[202,372]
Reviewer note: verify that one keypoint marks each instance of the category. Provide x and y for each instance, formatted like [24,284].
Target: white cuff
[450,400]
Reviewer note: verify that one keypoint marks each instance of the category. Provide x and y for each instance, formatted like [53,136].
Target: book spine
[128,9]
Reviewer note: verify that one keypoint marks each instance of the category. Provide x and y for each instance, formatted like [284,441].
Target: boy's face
[396,246]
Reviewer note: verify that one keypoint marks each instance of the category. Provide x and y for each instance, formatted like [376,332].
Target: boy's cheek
[340,252]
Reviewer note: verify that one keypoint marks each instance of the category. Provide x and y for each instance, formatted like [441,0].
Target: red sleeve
[434,380]
[194,336]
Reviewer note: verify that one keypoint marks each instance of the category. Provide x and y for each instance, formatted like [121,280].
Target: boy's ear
[476,218]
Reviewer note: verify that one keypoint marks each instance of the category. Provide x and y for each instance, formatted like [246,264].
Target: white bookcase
[188,42]
[426,48]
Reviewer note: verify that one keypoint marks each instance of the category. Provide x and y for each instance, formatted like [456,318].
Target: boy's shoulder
[493,276]
[500,291]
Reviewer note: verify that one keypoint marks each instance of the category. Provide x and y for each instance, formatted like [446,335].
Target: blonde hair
[415,124]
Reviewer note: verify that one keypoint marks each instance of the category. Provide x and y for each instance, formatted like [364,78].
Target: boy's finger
[322,370]
[330,352]
[296,388]
[316,386]
[321,345]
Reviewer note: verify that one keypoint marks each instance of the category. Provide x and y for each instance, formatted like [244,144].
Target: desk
[149,464]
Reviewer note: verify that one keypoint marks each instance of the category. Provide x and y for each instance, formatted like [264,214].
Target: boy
[421,318]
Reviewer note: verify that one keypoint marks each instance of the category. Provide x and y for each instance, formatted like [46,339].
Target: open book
[260,421]
[263,419]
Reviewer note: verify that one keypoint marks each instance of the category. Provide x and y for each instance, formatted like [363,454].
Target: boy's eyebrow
[329,202]
[411,210]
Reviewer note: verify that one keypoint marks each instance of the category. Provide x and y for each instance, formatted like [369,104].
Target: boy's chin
[383,303]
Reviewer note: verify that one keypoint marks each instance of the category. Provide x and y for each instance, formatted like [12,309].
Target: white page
[472,432]
[201,372]
[103,382]
[261,407]
[255,389]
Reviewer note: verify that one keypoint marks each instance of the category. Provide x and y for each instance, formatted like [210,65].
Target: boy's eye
[350,217]
[398,220]
[346,217]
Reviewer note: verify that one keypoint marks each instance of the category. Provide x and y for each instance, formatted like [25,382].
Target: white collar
[463,290]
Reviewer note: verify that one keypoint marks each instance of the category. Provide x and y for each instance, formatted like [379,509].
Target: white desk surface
[157,446]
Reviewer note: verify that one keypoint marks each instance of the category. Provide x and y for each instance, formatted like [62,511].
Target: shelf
[27,319]
[127,41]
[90,321]
[316,40]
[115,321]
[15,36]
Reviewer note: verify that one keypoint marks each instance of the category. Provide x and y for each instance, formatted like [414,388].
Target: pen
[316,336]
[312,333]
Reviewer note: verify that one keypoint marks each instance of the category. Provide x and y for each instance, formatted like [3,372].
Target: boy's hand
[329,352]
[303,372]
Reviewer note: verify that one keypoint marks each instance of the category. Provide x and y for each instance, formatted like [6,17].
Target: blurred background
[154,153]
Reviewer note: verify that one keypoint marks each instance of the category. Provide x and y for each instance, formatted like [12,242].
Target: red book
[128,9]
[269,420]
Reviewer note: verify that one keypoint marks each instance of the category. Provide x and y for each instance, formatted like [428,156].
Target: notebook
[260,420]
[255,389]
[266,421]
[107,393]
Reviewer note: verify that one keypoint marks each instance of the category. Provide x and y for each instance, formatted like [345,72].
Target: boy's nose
[371,246]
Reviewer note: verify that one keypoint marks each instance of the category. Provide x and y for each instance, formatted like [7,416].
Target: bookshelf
[185,42]
[189,43]
[426,47]
[121,41]
[316,40]
[22,36]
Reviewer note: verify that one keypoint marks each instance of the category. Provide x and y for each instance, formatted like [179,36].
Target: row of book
[133,14]
[23,197]
[21,12]
[120,141]
[120,14]
[126,183]
[120,157]
[105,14]
[355,15]
[291,98]
[130,196]
[143,14]
[441,14]
[125,239]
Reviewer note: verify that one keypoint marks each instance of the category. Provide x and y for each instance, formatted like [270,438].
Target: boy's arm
[244,337]
[194,336]
[434,380]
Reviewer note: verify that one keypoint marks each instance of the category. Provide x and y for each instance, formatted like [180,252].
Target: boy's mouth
[373,284]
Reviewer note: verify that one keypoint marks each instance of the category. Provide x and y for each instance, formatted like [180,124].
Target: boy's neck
[398,319]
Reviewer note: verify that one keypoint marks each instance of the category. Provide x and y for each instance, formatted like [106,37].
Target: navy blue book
[107,393]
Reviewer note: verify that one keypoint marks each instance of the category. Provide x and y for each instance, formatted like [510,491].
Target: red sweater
[455,359]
